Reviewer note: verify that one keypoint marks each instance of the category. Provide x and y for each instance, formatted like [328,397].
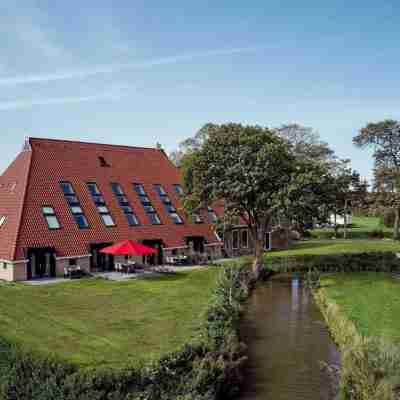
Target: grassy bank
[327,247]
[370,300]
[361,311]
[362,228]
[94,322]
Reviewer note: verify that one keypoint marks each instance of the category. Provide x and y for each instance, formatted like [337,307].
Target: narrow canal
[288,345]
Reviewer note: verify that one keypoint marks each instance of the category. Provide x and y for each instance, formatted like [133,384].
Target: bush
[376,234]
[206,369]
[388,218]
[346,262]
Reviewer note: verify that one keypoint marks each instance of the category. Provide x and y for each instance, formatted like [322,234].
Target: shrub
[388,217]
[376,234]
[346,262]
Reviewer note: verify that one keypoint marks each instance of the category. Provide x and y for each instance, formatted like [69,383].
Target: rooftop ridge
[79,142]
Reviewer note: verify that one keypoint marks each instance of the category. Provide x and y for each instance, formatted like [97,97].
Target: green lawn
[323,247]
[370,300]
[94,322]
[360,229]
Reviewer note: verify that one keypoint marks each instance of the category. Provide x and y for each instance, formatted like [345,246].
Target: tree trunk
[258,258]
[258,234]
[396,224]
[345,220]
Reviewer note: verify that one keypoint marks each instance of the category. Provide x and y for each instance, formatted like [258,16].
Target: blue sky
[140,72]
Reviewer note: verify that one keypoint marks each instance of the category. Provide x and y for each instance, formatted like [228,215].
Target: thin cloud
[23,104]
[108,69]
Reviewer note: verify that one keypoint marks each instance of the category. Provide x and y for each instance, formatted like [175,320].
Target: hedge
[208,368]
[345,262]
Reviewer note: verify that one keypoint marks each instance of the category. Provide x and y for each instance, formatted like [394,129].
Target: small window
[76,210]
[102,209]
[116,188]
[176,218]
[245,239]
[144,199]
[93,189]
[127,209]
[154,219]
[81,221]
[72,199]
[213,217]
[139,189]
[107,219]
[72,262]
[178,189]
[3,219]
[160,190]
[4,265]
[51,218]
[67,188]
[132,220]
[235,239]
[122,200]
[166,200]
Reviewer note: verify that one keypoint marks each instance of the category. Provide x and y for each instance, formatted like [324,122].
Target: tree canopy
[384,138]
[255,171]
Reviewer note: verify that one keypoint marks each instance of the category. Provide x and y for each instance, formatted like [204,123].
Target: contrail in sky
[111,68]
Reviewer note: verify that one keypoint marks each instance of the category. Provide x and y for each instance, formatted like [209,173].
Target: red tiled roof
[12,190]
[52,161]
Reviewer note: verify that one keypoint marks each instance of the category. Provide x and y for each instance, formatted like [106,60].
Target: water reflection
[287,341]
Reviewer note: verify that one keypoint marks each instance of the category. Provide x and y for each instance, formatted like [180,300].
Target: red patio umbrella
[128,248]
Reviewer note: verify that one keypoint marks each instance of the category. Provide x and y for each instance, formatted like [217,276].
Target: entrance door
[157,258]
[41,262]
[196,243]
[100,261]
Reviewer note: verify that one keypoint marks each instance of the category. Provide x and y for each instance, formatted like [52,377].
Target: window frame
[51,214]
[246,245]
[99,202]
[235,232]
[124,204]
[76,203]
[168,205]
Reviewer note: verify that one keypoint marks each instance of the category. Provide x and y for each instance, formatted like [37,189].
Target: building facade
[61,202]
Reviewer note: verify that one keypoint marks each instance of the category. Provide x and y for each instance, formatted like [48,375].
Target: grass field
[94,322]
[370,300]
[361,229]
[323,247]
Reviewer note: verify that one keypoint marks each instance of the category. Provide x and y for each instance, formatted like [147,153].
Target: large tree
[252,169]
[307,143]
[384,138]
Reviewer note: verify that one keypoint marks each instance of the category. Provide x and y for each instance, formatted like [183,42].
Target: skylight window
[51,218]
[125,205]
[151,212]
[75,207]
[168,204]
[100,204]
[3,220]
[178,189]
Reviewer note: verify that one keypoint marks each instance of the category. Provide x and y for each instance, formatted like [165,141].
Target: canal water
[289,346]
